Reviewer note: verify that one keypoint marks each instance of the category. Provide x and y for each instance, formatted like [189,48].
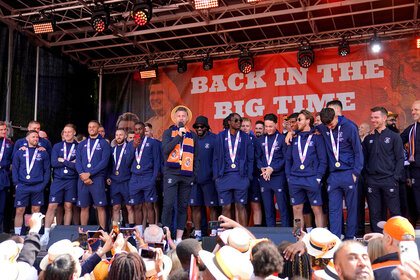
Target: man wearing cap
[271,157]
[345,157]
[395,230]
[232,168]
[92,161]
[384,163]
[31,173]
[306,163]
[119,175]
[180,151]
[146,159]
[6,149]
[204,190]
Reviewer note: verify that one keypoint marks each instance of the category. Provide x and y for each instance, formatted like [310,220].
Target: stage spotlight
[44,23]
[142,12]
[245,63]
[148,72]
[100,18]
[182,66]
[343,48]
[375,44]
[205,4]
[418,43]
[207,63]
[306,55]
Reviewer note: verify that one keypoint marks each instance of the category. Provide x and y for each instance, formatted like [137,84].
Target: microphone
[181,125]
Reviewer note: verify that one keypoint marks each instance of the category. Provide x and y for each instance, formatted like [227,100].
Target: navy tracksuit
[144,179]
[340,180]
[307,180]
[384,162]
[277,185]
[414,169]
[97,172]
[22,142]
[30,189]
[4,175]
[65,174]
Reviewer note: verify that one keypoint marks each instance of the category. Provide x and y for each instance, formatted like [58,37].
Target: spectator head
[63,267]
[375,248]
[185,249]
[396,229]
[227,263]
[265,259]
[299,266]
[60,248]
[153,234]
[321,243]
[128,266]
[352,261]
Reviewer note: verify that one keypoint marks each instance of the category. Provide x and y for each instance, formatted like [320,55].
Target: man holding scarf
[180,151]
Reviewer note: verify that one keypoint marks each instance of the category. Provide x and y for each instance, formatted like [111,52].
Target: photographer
[154,234]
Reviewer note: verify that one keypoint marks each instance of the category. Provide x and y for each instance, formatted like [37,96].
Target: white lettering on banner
[218,84]
[223,109]
[326,69]
[254,111]
[346,71]
[316,105]
[199,85]
[254,80]
[232,81]
[255,107]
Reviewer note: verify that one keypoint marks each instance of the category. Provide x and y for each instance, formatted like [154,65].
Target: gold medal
[117,172]
[233,165]
[28,177]
[138,166]
[337,164]
[89,165]
[302,166]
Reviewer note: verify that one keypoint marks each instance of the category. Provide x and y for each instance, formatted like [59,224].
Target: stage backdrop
[277,85]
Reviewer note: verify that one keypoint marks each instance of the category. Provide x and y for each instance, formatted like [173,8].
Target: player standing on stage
[180,151]
[31,173]
[204,190]
[64,185]
[345,159]
[384,162]
[6,150]
[119,176]
[145,166]
[42,143]
[271,153]
[232,168]
[306,163]
[91,165]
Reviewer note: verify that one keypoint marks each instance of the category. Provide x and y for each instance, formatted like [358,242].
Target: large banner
[277,84]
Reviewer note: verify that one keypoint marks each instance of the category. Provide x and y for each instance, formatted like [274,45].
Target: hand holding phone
[147,253]
[215,224]
[408,252]
[127,232]
[83,240]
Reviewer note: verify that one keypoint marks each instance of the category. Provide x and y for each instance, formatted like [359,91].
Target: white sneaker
[44,239]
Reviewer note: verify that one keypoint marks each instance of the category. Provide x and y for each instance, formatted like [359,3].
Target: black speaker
[67,232]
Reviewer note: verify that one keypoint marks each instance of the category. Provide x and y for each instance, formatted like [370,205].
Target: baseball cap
[398,228]
[391,114]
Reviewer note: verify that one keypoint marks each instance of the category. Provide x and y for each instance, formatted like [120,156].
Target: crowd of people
[306,169]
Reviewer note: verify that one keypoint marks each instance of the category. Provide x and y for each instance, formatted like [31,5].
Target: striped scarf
[186,159]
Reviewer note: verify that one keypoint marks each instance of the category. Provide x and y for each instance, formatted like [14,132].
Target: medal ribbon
[67,158]
[29,167]
[2,149]
[412,142]
[89,153]
[305,149]
[138,156]
[335,148]
[120,157]
[232,154]
[270,157]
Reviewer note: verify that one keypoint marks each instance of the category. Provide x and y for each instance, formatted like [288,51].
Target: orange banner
[277,84]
